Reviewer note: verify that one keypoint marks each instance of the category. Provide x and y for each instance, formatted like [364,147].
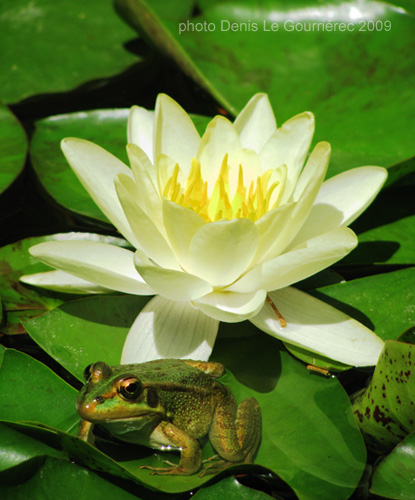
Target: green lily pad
[53,47]
[20,301]
[21,454]
[108,128]
[385,409]
[346,71]
[309,433]
[230,489]
[394,477]
[13,147]
[66,481]
[32,392]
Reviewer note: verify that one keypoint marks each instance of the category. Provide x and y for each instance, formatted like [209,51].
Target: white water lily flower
[222,226]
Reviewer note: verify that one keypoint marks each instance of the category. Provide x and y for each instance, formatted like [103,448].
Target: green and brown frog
[171,404]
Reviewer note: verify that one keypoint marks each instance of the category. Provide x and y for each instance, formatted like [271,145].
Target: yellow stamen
[193,193]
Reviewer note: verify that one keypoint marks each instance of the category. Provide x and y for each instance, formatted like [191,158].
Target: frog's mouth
[94,414]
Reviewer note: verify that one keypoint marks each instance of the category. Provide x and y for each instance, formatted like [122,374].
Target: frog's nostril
[99,400]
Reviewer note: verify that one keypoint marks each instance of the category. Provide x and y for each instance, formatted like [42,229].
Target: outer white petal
[181,224]
[221,251]
[255,123]
[220,138]
[174,133]
[167,329]
[315,255]
[320,328]
[59,281]
[289,146]
[147,234]
[174,285]
[299,263]
[140,129]
[96,170]
[342,199]
[231,307]
[106,265]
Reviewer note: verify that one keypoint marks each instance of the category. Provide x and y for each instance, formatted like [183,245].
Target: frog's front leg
[235,432]
[167,434]
[85,431]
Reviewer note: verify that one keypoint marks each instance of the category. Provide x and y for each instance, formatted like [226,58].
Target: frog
[171,404]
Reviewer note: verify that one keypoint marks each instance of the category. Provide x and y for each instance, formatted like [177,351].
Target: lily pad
[13,147]
[385,409]
[344,68]
[394,477]
[66,481]
[309,433]
[51,47]
[21,454]
[231,489]
[20,301]
[32,392]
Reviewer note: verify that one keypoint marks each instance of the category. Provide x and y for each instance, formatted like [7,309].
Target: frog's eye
[130,388]
[87,372]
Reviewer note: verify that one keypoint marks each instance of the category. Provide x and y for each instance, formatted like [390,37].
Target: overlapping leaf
[13,147]
[385,409]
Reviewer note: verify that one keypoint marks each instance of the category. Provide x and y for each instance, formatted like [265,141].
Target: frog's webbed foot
[173,470]
[217,465]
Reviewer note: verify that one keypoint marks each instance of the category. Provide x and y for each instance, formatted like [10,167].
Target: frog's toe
[174,470]
[217,466]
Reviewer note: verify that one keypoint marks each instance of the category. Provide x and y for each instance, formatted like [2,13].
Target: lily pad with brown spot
[385,410]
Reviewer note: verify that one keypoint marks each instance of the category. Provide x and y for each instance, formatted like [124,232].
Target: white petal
[167,329]
[300,263]
[221,251]
[219,139]
[59,281]
[341,199]
[231,307]
[181,224]
[140,129]
[318,327]
[147,234]
[96,170]
[106,265]
[174,133]
[313,256]
[289,146]
[255,123]
[174,285]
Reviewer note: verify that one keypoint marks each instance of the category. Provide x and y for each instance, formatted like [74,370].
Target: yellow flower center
[250,203]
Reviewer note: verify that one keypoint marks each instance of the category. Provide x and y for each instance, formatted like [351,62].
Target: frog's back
[168,371]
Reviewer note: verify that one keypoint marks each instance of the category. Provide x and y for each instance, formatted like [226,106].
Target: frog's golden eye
[130,388]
